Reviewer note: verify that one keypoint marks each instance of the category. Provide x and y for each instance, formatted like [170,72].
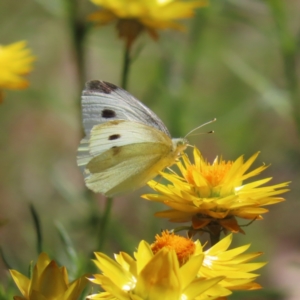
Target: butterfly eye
[108,113]
[181,143]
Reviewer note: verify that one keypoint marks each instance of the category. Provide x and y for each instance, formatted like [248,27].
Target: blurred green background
[237,61]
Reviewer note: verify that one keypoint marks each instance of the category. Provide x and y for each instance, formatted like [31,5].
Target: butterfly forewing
[103,102]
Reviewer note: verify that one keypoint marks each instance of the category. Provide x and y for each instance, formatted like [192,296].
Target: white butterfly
[126,144]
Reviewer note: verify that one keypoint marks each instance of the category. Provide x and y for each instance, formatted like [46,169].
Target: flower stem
[214,230]
[126,67]
[214,238]
[289,50]
[78,29]
[37,226]
[104,223]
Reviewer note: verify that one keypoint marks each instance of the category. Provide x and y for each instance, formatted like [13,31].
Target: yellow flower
[15,61]
[134,16]
[152,275]
[212,195]
[48,282]
[233,264]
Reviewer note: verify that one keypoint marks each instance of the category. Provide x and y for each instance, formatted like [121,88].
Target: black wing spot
[93,85]
[114,137]
[109,87]
[100,86]
[108,113]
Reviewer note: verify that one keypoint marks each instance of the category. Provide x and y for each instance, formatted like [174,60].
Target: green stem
[78,29]
[126,67]
[214,230]
[104,223]
[289,50]
[195,44]
[214,238]
[37,226]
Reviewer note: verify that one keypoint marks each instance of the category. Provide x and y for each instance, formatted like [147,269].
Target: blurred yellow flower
[48,282]
[152,275]
[134,16]
[15,61]
[212,195]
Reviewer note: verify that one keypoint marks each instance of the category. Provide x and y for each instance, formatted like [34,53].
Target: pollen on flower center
[214,173]
[184,247]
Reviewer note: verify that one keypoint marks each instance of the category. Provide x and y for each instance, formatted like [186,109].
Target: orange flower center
[213,173]
[183,247]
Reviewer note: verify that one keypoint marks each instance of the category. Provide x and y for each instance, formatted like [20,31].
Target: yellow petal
[254,172]
[127,262]
[41,264]
[36,295]
[113,270]
[249,163]
[19,298]
[233,253]
[189,270]
[143,255]
[52,282]
[75,289]
[160,278]
[15,61]
[114,289]
[198,286]
[221,246]
[21,281]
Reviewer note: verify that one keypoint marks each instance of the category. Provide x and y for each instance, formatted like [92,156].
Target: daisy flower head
[135,16]
[48,282]
[15,61]
[167,269]
[211,196]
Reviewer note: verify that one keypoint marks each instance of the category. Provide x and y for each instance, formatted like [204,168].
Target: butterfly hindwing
[115,134]
[121,169]
[103,102]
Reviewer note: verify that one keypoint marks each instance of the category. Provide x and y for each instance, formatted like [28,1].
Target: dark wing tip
[100,86]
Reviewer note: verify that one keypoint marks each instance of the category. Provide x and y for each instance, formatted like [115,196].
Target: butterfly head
[179,145]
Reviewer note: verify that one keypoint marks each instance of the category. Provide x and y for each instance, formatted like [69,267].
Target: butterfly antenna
[211,131]
[211,121]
